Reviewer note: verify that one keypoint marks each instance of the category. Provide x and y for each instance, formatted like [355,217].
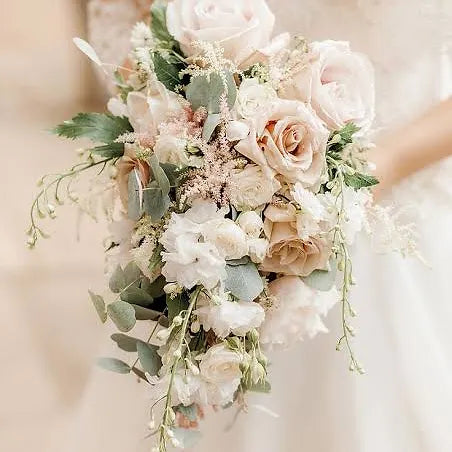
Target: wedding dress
[404,339]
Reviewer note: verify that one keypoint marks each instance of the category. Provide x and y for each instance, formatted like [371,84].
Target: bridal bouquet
[232,170]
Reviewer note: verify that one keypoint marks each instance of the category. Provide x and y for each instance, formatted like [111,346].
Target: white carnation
[296,312]
[228,317]
[257,250]
[141,35]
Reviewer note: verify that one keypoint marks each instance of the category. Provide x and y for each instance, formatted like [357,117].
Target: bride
[404,402]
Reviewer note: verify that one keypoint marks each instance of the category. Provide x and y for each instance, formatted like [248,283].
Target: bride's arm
[413,147]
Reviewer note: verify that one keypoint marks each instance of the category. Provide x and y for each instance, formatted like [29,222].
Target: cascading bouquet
[233,172]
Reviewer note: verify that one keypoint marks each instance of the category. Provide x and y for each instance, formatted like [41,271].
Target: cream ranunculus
[287,252]
[293,143]
[241,27]
[251,187]
[228,238]
[296,312]
[339,84]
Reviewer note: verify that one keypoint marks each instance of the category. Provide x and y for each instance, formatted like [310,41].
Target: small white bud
[195,327]
[171,288]
[177,353]
[177,321]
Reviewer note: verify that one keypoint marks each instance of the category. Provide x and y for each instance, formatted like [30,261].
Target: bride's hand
[413,147]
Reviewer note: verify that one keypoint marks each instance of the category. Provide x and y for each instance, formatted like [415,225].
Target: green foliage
[120,279]
[158,24]
[98,127]
[150,360]
[175,306]
[99,305]
[341,138]
[167,69]
[142,313]
[358,180]
[244,281]
[111,150]
[204,91]
[114,365]
[122,314]
[262,387]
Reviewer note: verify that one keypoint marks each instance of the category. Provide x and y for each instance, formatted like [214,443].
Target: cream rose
[287,253]
[255,102]
[241,27]
[220,364]
[228,238]
[339,84]
[251,223]
[293,143]
[251,187]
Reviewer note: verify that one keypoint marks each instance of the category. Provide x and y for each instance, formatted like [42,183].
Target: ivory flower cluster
[236,162]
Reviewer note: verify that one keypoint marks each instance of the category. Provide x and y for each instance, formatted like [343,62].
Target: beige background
[49,334]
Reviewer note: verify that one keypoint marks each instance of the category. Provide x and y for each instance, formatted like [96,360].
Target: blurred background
[49,334]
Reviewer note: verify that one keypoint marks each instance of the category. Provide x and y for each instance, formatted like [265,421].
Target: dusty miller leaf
[244,281]
[212,122]
[358,180]
[135,201]
[122,314]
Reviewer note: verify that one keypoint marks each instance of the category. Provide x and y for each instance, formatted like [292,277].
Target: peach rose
[293,144]
[287,253]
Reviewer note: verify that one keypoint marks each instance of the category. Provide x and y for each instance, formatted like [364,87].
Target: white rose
[220,364]
[296,312]
[240,26]
[229,317]
[250,187]
[258,250]
[170,149]
[255,102]
[227,237]
[251,223]
[339,84]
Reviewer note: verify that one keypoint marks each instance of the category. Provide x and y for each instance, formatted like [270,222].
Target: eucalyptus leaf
[126,343]
[242,261]
[172,173]
[150,360]
[155,203]
[99,305]
[136,295]
[156,288]
[142,313]
[206,91]
[132,273]
[117,280]
[122,314]
[244,281]
[321,279]
[159,174]
[114,365]
[135,201]
[212,122]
